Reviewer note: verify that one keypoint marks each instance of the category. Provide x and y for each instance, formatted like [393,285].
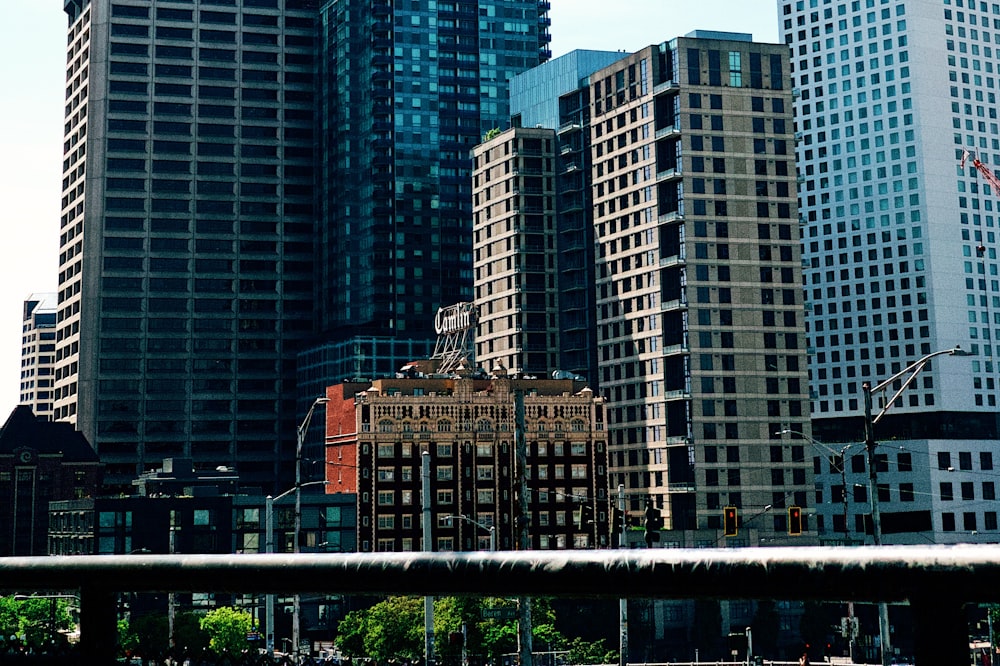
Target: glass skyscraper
[406,90]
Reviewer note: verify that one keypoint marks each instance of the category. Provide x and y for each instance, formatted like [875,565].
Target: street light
[843,467]
[269,520]
[300,440]
[867,389]
[492,529]
[269,548]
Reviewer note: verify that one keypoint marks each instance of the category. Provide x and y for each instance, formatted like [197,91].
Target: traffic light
[729,521]
[616,520]
[651,524]
[584,517]
[794,521]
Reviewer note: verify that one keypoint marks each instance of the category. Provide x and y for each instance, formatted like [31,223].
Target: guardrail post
[940,630]
[98,625]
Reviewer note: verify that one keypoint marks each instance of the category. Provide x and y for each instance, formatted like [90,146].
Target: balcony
[668,132]
[667,175]
[666,86]
[936,581]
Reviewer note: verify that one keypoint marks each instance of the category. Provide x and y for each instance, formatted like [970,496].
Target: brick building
[481,470]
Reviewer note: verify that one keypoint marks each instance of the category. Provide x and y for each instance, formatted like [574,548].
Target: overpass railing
[936,581]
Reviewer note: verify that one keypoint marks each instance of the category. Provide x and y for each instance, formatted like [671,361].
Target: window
[965,460]
[944,460]
[986,460]
[445,497]
[946,492]
[948,522]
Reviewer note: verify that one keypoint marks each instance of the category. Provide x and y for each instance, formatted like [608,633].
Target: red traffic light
[794,521]
[729,521]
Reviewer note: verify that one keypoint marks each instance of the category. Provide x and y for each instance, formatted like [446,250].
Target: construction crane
[983,169]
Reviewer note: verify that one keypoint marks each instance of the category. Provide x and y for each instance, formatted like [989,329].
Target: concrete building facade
[700,329]
[38,354]
[894,102]
[516,253]
[186,241]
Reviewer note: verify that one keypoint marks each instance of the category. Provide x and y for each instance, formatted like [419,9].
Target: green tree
[34,622]
[491,134]
[128,639]
[187,631]
[150,631]
[495,637]
[394,629]
[579,651]
[227,629]
[351,633]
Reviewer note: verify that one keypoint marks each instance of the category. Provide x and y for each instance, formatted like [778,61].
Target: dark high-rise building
[186,242]
[406,91]
[188,278]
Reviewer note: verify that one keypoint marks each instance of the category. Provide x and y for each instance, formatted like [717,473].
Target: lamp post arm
[913,369]
[489,528]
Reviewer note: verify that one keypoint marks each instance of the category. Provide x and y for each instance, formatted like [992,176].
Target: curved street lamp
[269,526]
[492,529]
[867,389]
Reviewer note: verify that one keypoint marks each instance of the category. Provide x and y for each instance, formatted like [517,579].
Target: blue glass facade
[534,95]
[556,95]
[406,90]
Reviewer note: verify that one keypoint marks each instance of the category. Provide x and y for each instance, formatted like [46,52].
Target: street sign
[498,613]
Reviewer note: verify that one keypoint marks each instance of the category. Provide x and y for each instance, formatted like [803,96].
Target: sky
[32,55]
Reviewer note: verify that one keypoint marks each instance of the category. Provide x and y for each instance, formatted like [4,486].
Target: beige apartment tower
[701,355]
[515,252]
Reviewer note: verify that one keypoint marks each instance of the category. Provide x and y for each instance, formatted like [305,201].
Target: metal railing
[936,581]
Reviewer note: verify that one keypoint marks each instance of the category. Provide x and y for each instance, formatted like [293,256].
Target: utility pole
[867,389]
[524,629]
[843,481]
[269,598]
[623,602]
[883,608]
[428,547]
[171,598]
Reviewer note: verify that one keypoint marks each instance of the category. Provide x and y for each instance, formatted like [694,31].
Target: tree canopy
[394,629]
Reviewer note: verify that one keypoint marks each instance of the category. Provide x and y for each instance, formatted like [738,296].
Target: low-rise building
[515,462]
[40,461]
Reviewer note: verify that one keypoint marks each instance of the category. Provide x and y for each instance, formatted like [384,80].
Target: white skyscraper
[899,251]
